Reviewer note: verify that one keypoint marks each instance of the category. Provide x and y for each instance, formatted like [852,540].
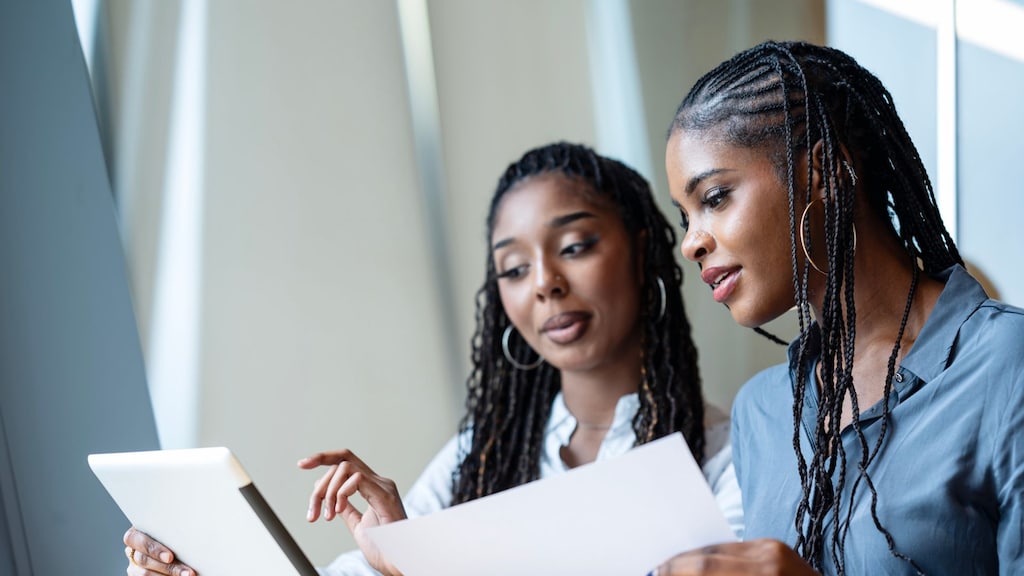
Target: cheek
[618,287]
[511,296]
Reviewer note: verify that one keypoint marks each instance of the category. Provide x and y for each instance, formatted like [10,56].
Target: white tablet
[201,504]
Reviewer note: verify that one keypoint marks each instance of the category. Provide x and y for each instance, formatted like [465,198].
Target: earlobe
[817,179]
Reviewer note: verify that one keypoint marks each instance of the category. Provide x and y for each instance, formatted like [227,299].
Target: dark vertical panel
[71,373]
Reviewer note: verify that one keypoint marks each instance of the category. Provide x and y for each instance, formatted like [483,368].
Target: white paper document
[619,517]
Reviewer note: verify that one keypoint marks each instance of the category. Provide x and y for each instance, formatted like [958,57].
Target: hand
[346,476]
[761,557]
[147,557]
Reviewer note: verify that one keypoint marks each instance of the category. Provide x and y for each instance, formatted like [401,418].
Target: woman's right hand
[147,557]
[346,475]
[756,557]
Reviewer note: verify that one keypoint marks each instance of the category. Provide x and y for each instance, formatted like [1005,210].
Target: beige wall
[511,76]
[319,313]
[320,324]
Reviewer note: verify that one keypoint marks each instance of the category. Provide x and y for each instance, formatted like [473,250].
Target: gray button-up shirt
[950,474]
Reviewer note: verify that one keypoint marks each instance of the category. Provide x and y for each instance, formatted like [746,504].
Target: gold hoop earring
[803,241]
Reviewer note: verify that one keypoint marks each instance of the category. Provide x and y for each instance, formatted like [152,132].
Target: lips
[567,327]
[722,281]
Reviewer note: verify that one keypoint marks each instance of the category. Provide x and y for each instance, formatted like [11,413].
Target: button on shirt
[950,474]
[433,490]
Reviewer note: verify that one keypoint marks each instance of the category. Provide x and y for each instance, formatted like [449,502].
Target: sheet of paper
[618,517]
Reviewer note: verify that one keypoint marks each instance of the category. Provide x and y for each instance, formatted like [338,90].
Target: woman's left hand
[760,557]
[346,476]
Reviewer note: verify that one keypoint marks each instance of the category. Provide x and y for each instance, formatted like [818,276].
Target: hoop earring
[508,355]
[803,241]
[664,300]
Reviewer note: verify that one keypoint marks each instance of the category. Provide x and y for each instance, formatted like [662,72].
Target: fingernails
[309,514]
[186,573]
[166,557]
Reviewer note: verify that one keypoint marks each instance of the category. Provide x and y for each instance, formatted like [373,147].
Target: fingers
[330,459]
[327,498]
[147,557]
[142,543]
[331,493]
[331,500]
[317,496]
[141,565]
[147,560]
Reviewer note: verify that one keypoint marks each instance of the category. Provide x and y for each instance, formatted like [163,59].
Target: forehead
[536,200]
[691,155]
[692,151]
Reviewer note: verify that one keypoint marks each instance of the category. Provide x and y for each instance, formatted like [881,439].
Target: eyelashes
[569,252]
[577,248]
[712,199]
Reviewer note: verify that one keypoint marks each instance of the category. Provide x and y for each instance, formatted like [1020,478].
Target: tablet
[201,504]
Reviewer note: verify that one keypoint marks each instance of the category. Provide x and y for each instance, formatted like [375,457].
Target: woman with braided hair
[891,442]
[582,350]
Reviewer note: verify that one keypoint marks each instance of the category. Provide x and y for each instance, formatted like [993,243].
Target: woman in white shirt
[582,350]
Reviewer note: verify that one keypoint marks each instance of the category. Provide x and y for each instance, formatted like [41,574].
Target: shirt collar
[562,423]
[961,296]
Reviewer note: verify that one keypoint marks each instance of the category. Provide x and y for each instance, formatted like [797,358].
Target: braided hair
[785,98]
[507,408]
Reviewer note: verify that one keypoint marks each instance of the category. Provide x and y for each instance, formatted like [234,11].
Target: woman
[890,443]
[582,350]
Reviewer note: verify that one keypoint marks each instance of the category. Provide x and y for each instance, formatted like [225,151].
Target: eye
[577,248]
[513,273]
[715,196]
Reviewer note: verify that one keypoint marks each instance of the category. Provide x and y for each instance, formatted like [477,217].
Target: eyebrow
[692,184]
[556,222]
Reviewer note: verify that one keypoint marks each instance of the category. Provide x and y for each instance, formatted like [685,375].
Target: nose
[696,244]
[550,282]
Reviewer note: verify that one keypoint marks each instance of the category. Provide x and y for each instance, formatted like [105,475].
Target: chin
[571,363]
[747,320]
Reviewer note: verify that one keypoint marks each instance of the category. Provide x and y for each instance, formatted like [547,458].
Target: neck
[883,274]
[592,395]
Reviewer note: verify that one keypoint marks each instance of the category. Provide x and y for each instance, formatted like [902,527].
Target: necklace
[580,425]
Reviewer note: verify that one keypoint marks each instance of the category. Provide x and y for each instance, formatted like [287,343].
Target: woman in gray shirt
[891,442]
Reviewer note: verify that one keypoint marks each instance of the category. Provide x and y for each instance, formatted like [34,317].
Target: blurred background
[300,188]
